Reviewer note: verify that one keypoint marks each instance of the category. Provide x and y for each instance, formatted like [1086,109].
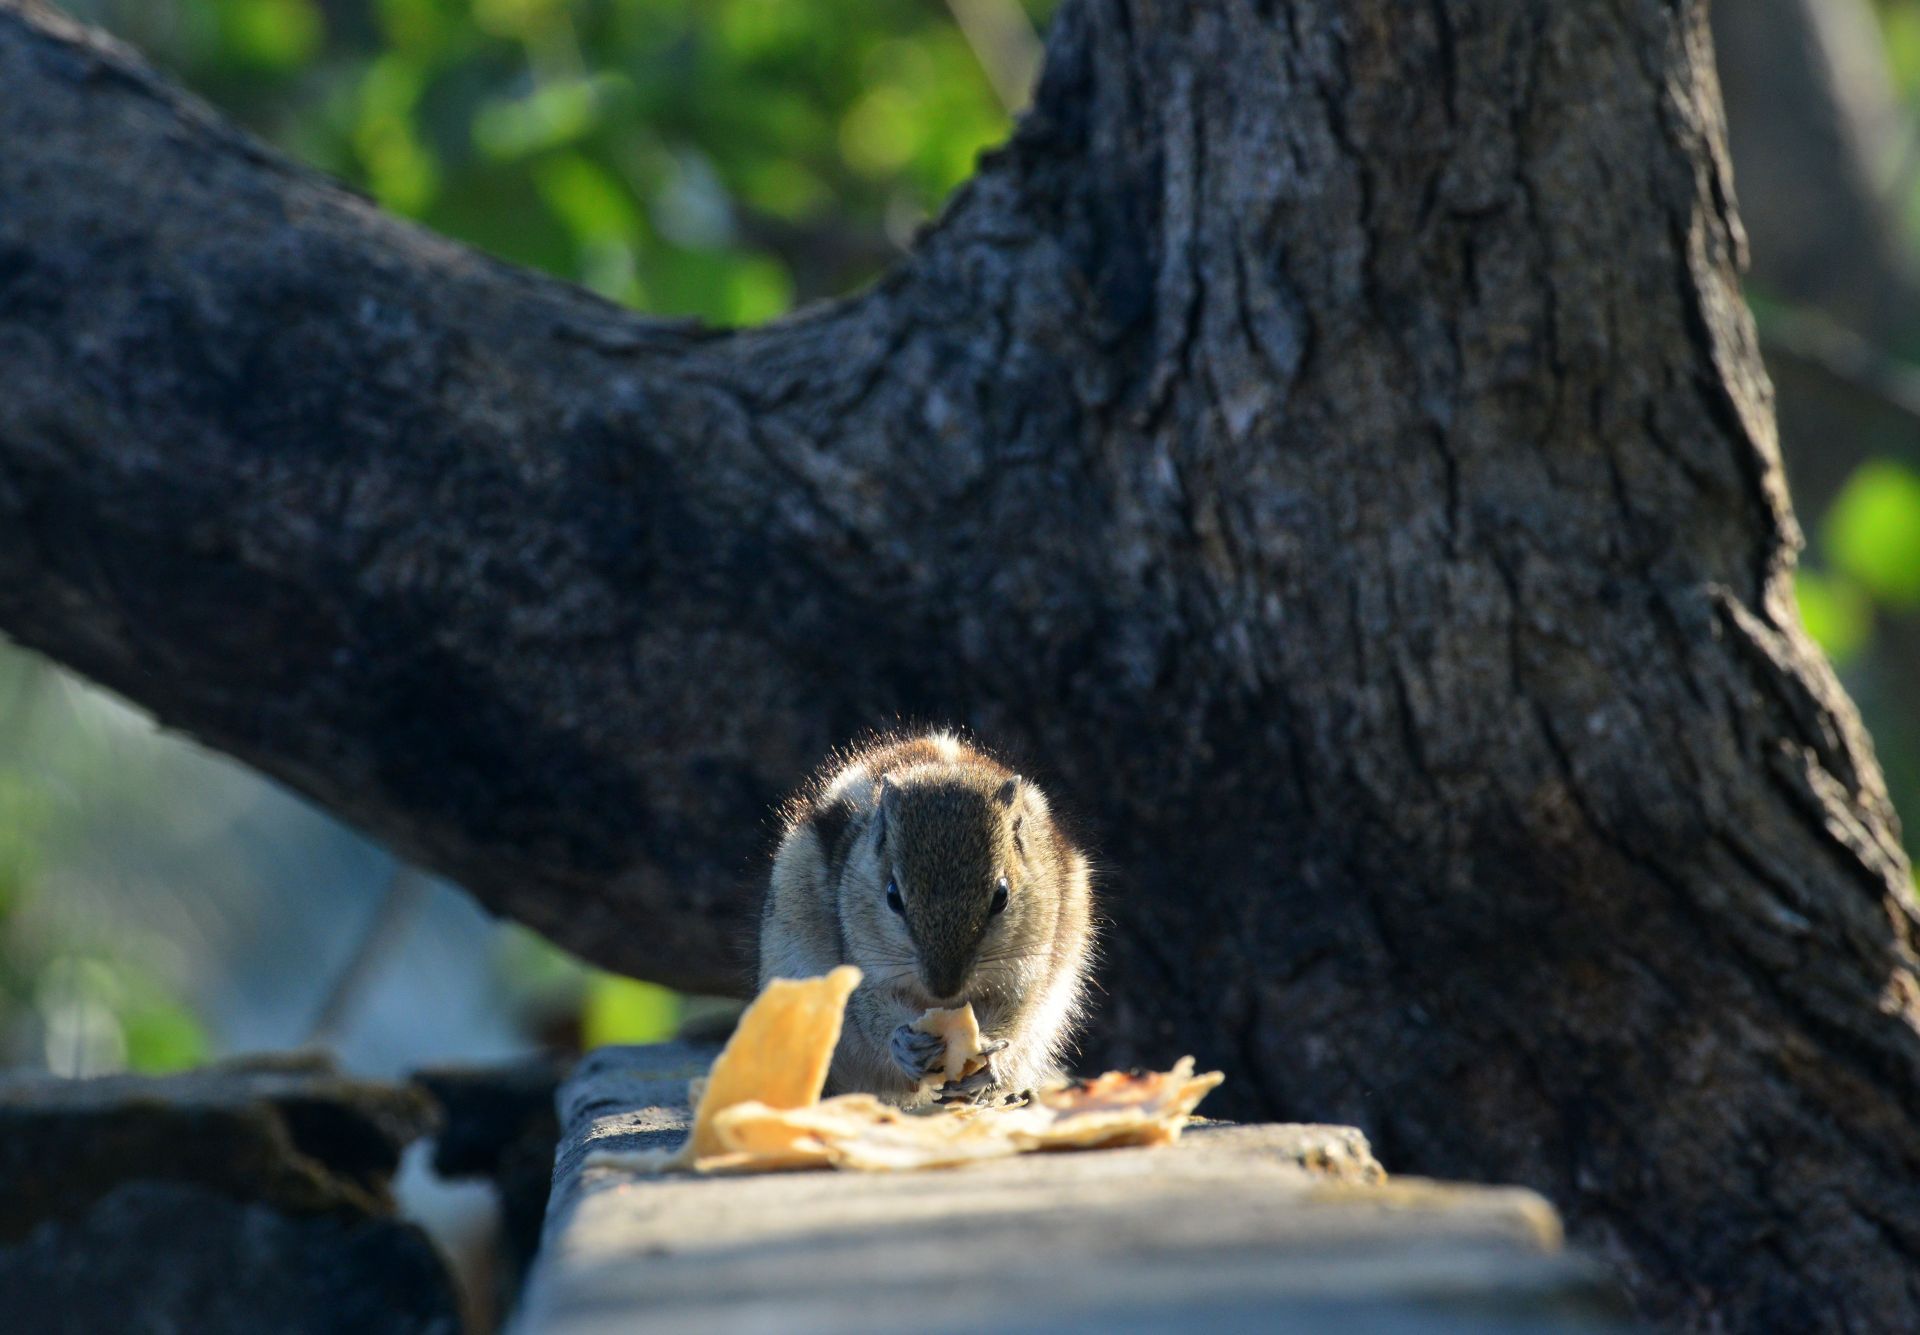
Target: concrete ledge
[1237,1228]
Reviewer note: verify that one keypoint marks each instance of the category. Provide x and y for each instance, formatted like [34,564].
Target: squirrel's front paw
[983,1086]
[915,1053]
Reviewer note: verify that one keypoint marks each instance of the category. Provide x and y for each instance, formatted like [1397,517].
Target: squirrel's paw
[915,1053]
[982,1087]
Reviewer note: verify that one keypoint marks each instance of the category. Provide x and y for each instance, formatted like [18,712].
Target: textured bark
[1327,446]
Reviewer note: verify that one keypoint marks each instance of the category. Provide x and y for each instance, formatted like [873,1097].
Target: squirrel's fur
[943,822]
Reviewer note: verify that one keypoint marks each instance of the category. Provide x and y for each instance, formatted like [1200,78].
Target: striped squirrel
[945,877]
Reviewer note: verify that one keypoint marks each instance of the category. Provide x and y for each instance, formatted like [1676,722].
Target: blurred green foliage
[624,1010]
[551,990]
[1872,533]
[716,159]
[1863,564]
[75,997]
[1836,611]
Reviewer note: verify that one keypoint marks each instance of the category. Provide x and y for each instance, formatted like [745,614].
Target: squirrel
[946,878]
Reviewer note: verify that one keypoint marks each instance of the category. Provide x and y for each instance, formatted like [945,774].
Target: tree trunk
[1327,445]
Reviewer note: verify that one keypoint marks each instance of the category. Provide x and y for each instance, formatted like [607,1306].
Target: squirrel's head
[949,879]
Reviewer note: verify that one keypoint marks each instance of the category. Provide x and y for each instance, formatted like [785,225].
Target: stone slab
[248,1196]
[1268,1227]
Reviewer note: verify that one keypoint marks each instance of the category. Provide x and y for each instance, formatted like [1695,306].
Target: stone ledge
[288,1131]
[1268,1227]
[248,1196]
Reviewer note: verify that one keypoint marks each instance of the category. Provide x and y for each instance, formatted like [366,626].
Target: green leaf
[555,114]
[1873,531]
[758,288]
[882,132]
[415,24]
[271,34]
[783,188]
[623,1010]
[760,29]
[592,203]
[1835,612]
[162,1036]
[121,1012]
[724,287]
[400,170]
[599,214]
[523,19]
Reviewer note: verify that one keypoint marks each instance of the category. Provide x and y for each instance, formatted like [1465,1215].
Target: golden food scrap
[759,1108]
[1118,1108]
[960,1030]
[778,1055]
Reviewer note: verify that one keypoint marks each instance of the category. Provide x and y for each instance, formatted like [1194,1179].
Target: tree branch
[553,599]
[1328,445]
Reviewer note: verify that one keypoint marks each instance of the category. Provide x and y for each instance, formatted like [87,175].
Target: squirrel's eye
[1000,891]
[894,901]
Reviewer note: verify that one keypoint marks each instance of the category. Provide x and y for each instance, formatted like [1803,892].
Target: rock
[1268,1228]
[249,1196]
[159,1255]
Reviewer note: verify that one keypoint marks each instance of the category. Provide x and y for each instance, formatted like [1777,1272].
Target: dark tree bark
[1327,445]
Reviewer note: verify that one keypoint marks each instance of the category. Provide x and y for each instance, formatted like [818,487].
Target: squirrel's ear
[883,797]
[1025,797]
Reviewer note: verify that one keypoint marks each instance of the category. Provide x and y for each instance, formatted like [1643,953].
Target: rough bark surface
[1327,444]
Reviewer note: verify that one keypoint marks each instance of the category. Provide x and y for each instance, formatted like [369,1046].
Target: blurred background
[727,159]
